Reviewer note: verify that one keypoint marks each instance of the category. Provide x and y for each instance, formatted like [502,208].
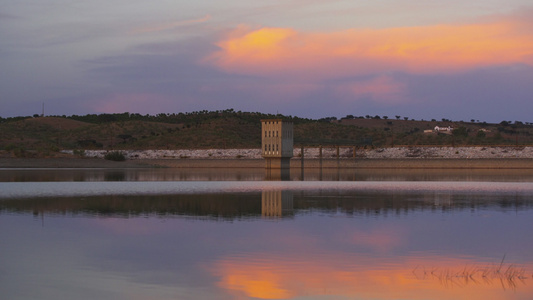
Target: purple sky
[412,58]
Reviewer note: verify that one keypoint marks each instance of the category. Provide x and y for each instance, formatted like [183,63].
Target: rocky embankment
[331,152]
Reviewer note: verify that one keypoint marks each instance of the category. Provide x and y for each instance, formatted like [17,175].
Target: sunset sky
[453,59]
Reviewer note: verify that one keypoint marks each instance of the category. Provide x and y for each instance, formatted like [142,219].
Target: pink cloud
[271,91]
[381,89]
[169,25]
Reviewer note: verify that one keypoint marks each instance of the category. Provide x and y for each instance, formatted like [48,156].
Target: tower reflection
[276,204]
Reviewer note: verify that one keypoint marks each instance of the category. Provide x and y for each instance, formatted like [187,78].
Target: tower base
[278,174]
[278,162]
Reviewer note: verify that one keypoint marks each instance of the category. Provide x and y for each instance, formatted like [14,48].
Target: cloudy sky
[420,59]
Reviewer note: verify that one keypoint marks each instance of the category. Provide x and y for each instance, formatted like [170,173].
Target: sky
[455,59]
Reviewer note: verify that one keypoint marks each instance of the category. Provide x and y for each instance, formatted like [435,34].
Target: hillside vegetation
[231,129]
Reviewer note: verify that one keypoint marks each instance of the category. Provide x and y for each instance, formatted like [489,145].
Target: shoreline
[314,158]
[311,163]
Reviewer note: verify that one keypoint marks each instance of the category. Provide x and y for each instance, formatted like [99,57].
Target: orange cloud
[291,276]
[259,46]
[321,55]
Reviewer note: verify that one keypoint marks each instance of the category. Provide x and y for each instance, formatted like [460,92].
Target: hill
[231,129]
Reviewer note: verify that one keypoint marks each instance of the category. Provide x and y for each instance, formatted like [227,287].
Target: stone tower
[277,143]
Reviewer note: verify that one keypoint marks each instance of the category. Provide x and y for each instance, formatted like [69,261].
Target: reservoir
[241,234]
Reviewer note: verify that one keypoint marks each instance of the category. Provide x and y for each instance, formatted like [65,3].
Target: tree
[398,117]
[504,123]
[461,131]
[105,118]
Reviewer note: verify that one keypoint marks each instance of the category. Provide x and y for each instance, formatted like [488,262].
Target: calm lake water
[242,234]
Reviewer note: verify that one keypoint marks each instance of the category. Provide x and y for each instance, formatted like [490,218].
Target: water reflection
[363,277]
[510,276]
[141,174]
[323,243]
[277,174]
[268,203]
[276,203]
[260,174]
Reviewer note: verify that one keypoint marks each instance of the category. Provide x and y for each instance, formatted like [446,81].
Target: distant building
[277,143]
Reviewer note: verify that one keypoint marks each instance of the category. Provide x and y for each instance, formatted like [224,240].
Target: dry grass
[508,276]
[237,130]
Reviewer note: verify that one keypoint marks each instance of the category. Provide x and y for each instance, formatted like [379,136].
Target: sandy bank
[391,158]
[332,152]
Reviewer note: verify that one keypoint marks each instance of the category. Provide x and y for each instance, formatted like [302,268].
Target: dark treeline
[199,116]
[234,206]
[176,118]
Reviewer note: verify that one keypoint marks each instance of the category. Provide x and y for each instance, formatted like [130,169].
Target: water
[378,235]
[254,174]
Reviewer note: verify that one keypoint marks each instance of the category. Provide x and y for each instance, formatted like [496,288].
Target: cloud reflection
[295,275]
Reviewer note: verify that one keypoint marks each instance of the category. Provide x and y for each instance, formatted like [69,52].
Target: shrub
[10,147]
[461,131]
[115,156]
[19,152]
[46,150]
[78,152]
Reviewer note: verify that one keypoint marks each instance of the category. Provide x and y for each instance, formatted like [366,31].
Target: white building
[448,129]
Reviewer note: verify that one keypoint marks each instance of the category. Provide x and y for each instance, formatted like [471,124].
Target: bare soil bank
[363,163]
